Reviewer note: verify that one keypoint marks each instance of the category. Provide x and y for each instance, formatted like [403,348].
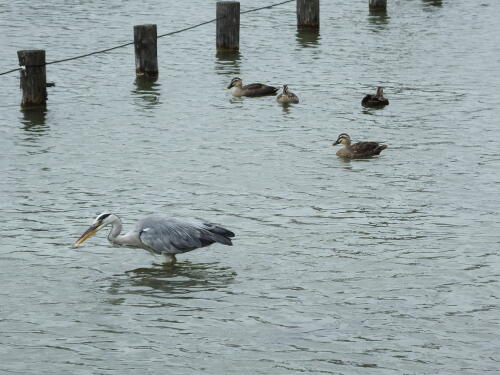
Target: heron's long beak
[88,233]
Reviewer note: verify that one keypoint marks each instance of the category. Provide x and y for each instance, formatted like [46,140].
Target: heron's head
[100,222]
[235,82]
[343,139]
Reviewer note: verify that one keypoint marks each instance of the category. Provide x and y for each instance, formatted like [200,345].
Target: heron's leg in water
[170,259]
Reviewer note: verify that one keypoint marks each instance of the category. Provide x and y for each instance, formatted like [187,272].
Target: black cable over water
[267,7]
[159,36]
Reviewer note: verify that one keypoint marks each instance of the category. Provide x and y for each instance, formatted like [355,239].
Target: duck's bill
[336,143]
[228,87]
[88,233]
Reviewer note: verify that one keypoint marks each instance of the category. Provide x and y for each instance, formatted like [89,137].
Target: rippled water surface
[381,266]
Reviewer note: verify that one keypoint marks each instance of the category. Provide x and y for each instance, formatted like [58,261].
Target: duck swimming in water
[357,150]
[253,89]
[287,96]
[375,101]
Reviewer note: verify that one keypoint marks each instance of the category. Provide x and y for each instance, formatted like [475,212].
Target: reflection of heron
[185,277]
[158,235]
[171,286]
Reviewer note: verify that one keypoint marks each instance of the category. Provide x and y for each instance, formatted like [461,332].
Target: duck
[287,96]
[375,101]
[357,150]
[253,89]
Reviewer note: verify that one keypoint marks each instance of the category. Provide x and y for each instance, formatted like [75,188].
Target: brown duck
[375,101]
[357,150]
[287,97]
[253,89]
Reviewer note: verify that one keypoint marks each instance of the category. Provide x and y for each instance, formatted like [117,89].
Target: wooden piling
[228,26]
[146,57]
[308,14]
[377,4]
[33,78]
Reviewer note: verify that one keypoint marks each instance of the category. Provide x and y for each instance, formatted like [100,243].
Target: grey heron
[160,235]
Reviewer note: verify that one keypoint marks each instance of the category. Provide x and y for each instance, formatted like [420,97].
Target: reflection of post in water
[146,84]
[378,16]
[34,119]
[228,62]
[307,37]
[147,89]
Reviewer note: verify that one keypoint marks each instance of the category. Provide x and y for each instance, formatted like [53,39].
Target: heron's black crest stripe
[103,216]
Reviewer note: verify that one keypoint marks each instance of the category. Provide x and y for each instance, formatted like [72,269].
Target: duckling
[287,96]
[357,150]
[253,89]
[375,101]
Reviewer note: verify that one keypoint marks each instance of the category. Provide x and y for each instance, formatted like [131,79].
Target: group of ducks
[350,151]
[259,89]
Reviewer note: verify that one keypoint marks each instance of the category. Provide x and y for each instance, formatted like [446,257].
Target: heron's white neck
[114,234]
[127,239]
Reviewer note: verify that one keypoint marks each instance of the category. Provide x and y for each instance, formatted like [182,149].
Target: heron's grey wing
[175,236]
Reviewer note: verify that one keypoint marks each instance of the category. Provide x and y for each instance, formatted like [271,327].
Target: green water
[381,266]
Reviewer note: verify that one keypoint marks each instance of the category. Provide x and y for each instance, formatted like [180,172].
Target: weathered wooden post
[33,78]
[308,14]
[228,26]
[146,59]
[377,4]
